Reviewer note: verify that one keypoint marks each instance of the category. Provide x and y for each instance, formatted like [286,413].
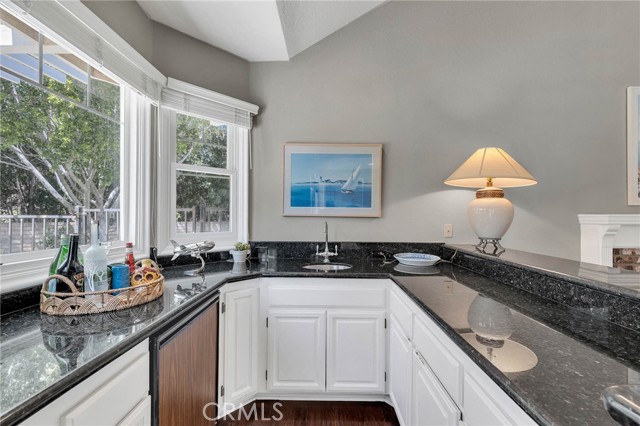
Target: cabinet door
[296,348]
[442,362]
[105,397]
[431,405]
[111,402]
[482,409]
[140,415]
[240,345]
[356,351]
[400,352]
[187,371]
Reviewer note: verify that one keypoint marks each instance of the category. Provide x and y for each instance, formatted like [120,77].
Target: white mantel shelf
[601,233]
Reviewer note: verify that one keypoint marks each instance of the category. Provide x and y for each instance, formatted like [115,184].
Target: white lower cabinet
[239,319]
[296,350]
[312,350]
[355,351]
[447,387]
[117,394]
[325,336]
[431,405]
[140,415]
[400,371]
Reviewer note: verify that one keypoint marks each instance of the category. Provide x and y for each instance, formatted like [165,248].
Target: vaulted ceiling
[258,30]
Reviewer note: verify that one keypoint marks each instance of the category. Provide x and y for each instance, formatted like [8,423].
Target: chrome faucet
[326,253]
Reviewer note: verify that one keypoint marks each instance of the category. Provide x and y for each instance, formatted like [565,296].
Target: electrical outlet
[448,230]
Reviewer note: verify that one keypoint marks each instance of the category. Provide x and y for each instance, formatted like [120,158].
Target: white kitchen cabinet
[485,404]
[355,351]
[442,362]
[140,415]
[239,319]
[107,397]
[471,391]
[296,350]
[400,371]
[399,308]
[345,354]
[431,404]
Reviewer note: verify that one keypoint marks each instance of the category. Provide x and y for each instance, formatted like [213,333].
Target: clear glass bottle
[63,252]
[95,264]
[71,268]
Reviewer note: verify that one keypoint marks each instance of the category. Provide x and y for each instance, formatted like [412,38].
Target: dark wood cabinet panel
[187,372]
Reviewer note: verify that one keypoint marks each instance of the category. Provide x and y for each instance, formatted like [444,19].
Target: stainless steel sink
[326,267]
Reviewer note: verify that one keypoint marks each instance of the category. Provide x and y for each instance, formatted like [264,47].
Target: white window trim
[238,170]
[75,27]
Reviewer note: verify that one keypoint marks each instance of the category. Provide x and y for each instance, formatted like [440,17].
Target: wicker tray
[94,302]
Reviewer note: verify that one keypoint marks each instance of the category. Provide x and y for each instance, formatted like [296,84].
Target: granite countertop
[42,356]
[606,278]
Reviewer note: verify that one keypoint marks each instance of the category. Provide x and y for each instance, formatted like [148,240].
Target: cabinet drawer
[485,404]
[326,293]
[401,313]
[115,399]
[444,365]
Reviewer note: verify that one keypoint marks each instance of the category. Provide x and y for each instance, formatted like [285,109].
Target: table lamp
[490,214]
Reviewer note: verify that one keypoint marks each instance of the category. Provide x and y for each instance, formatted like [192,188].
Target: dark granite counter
[578,354]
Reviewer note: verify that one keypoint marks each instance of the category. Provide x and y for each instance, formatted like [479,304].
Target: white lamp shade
[492,163]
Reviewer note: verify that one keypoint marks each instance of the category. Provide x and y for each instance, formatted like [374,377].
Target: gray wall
[433,81]
[173,53]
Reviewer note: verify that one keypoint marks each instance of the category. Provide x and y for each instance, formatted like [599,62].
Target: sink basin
[328,266]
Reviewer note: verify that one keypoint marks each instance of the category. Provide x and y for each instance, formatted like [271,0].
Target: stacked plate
[417,259]
[417,270]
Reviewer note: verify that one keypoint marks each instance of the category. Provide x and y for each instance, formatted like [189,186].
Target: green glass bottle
[63,252]
[71,268]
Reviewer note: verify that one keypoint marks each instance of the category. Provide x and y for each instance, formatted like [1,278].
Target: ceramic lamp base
[490,214]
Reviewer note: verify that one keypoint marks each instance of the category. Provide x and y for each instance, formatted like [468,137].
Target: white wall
[173,53]
[433,81]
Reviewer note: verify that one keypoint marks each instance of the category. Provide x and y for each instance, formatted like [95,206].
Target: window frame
[237,170]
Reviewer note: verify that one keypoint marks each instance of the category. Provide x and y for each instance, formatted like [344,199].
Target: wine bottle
[71,268]
[95,264]
[128,258]
[63,252]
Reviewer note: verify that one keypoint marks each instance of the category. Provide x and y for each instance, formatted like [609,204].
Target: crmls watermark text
[244,412]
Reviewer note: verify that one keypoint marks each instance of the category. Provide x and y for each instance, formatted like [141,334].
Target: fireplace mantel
[601,233]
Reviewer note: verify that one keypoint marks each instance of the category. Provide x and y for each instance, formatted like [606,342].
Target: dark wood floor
[312,413]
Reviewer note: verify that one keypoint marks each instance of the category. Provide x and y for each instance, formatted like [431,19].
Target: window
[203,176]
[60,132]
[207,197]
[73,141]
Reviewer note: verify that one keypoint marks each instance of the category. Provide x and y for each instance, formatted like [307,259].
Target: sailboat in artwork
[352,182]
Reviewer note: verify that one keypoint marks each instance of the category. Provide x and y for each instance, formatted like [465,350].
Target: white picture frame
[330,179]
[633,146]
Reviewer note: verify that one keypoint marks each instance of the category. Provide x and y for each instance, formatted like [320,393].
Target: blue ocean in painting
[330,195]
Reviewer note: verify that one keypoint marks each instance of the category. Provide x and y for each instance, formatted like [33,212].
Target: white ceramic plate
[417,270]
[417,259]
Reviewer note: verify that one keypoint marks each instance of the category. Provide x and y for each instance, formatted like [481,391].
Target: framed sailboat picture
[322,179]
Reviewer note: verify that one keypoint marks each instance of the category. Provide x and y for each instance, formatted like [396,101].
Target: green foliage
[76,151]
[240,246]
[198,142]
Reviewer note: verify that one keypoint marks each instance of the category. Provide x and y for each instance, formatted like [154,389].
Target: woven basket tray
[95,302]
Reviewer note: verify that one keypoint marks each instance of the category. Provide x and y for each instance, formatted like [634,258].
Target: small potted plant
[241,252]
